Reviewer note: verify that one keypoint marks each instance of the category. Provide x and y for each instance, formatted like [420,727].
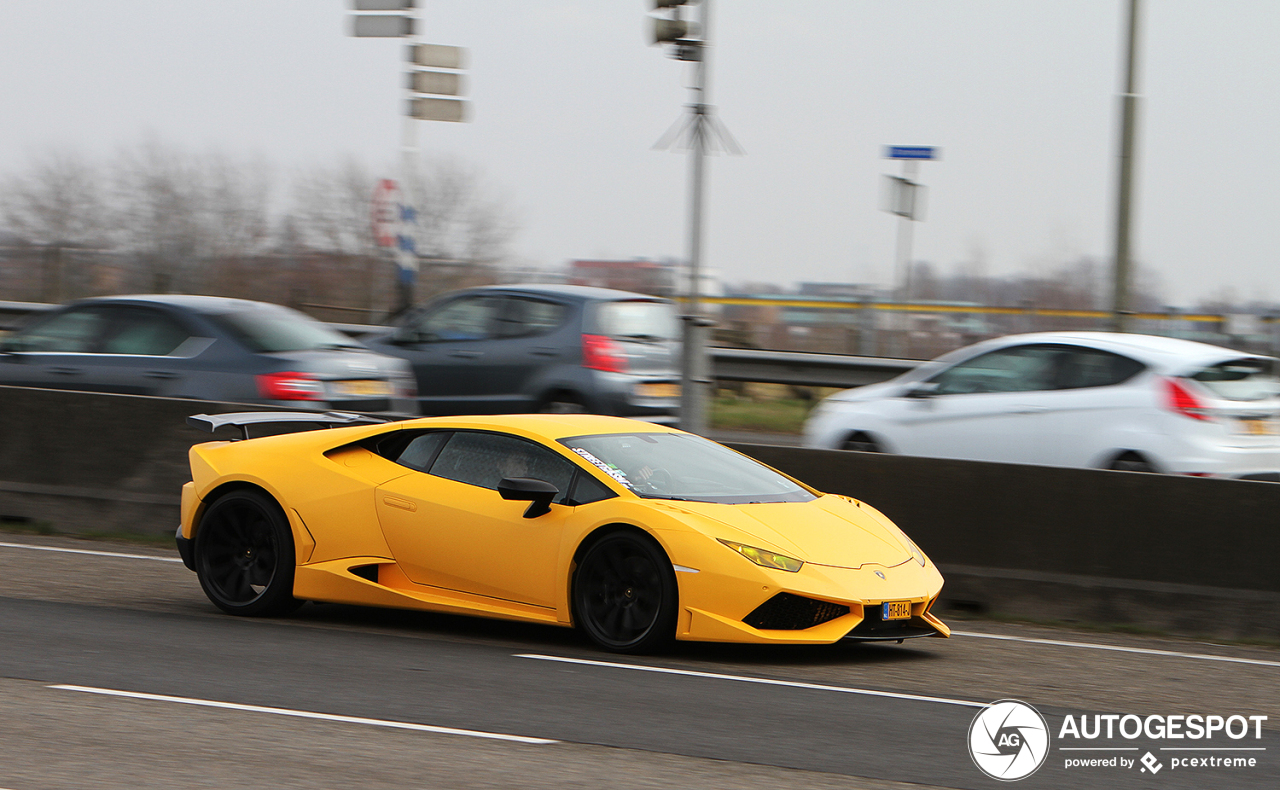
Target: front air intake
[787,612]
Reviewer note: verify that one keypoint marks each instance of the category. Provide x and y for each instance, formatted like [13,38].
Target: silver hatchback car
[1080,399]
[547,348]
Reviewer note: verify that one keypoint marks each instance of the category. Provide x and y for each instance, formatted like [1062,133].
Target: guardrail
[796,368]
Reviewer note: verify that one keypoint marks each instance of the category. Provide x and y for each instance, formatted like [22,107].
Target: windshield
[268,328]
[684,467]
[1250,378]
[638,320]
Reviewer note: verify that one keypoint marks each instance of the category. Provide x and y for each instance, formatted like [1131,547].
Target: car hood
[829,530]
[882,389]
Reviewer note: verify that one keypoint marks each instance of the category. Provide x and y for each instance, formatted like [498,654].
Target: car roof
[578,292]
[549,427]
[1156,350]
[198,304]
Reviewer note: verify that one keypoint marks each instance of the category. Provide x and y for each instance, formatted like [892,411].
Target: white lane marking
[86,551]
[1146,651]
[761,681]
[306,714]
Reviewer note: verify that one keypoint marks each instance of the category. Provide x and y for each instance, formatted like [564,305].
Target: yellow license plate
[895,610]
[659,390]
[363,389]
[1258,427]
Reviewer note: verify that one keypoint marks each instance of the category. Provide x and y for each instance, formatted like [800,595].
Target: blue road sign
[911,152]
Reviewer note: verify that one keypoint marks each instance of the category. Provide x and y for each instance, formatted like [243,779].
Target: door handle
[62,370]
[403,504]
[544,351]
[465,353]
[160,374]
[1030,409]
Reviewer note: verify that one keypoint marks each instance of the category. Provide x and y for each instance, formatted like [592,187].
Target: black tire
[862,443]
[625,597]
[1132,462]
[244,555]
[562,403]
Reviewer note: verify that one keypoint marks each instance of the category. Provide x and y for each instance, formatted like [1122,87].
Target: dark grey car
[556,348]
[203,347]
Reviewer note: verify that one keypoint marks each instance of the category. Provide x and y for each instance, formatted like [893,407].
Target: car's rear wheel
[624,594]
[244,555]
[862,443]
[562,403]
[1132,462]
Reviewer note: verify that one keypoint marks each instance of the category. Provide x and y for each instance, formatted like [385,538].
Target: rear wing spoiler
[243,419]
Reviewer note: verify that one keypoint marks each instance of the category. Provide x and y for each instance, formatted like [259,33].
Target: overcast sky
[568,100]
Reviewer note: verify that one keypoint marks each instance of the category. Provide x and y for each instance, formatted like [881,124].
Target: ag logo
[1008,740]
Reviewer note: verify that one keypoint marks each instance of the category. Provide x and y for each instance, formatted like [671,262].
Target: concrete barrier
[83,462]
[1182,554]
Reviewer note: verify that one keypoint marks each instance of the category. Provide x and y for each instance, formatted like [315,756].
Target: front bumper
[186,550]
[719,600]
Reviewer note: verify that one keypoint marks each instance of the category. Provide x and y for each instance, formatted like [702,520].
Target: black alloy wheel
[624,594]
[244,555]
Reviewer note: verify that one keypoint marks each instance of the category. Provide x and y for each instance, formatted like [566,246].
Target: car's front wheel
[244,555]
[862,443]
[624,594]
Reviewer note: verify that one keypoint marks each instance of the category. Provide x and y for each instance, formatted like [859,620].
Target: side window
[483,459]
[524,316]
[1088,367]
[142,331]
[72,332]
[586,489]
[422,450]
[467,318]
[1017,369]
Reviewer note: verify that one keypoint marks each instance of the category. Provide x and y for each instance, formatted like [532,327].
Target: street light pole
[1122,305]
[693,370]
[688,42]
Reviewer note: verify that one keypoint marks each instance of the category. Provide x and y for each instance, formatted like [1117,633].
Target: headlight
[916,554]
[765,559]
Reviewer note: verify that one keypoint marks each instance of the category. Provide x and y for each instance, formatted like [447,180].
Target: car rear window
[271,328]
[1248,378]
[637,319]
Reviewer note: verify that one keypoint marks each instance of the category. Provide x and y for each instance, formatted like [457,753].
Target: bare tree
[58,203]
[330,208]
[457,218]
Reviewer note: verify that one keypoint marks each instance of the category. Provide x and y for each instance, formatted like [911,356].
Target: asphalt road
[116,672]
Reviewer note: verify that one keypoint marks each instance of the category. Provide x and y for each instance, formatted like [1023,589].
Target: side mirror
[538,493]
[921,389]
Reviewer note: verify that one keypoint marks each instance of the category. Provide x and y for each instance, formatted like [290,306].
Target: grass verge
[780,415]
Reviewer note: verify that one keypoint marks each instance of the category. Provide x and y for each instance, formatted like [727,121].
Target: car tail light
[290,386]
[1181,400]
[602,353]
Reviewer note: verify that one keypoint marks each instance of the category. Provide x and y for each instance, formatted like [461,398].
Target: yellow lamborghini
[634,533]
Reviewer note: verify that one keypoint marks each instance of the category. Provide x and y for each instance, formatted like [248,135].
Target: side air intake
[788,612]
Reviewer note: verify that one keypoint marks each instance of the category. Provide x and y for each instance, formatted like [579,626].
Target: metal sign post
[905,198]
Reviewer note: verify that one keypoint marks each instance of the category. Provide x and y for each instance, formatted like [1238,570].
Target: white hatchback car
[1081,399]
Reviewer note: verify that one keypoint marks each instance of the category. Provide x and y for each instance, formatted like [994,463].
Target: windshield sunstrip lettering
[611,471]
